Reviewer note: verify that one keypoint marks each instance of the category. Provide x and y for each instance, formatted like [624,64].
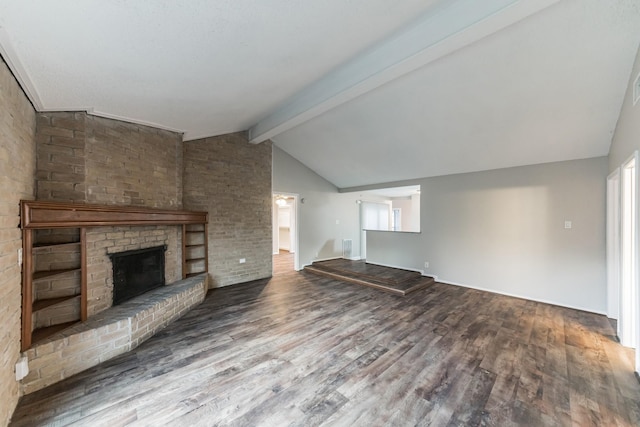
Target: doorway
[629,252]
[613,247]
[285,232]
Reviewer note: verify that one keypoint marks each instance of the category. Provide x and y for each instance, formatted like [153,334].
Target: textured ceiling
[548,87]
[199,66]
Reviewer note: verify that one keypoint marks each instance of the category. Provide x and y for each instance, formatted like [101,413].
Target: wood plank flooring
[303,350]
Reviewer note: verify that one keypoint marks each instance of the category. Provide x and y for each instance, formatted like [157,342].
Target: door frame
[629,295]
[295,207]
[613,246]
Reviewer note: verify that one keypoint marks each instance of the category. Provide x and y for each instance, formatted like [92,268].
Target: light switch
[567,224]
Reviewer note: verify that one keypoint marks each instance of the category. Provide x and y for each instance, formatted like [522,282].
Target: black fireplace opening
[136,272]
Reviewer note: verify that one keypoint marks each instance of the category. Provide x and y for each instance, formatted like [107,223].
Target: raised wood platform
[392,280]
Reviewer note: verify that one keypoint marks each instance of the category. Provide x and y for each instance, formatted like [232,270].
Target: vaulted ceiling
[361,91]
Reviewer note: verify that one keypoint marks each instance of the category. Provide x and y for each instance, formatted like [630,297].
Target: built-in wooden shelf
[54,245]
[44,303]
[38,275]
[43,333]
[190,260]
[194,274]
[44,215]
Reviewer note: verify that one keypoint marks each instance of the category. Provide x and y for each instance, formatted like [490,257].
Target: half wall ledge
[110,333]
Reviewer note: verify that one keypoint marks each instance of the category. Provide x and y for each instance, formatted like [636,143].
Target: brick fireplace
[79,158]
[86,159]
[55,349]
[104,241]
[101,243]
[136,272]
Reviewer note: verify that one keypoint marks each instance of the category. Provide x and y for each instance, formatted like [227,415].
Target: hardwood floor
[303,350]
[283,262]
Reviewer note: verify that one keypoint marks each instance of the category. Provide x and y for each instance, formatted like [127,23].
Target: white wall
[275,238]
[627,135]
[284,227]
[404,204]
[323,206]
[503,231]
[410,212]
[415,212]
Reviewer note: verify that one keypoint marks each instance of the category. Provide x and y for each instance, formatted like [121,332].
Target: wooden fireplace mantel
[39,215]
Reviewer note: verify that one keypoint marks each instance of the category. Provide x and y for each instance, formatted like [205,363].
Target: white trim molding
[12,59]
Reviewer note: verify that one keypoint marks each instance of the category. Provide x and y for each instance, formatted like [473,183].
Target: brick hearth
[110,333]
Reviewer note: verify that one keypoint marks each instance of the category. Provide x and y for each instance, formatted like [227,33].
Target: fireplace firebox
[136,272]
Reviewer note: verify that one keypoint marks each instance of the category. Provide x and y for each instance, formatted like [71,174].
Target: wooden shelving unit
[195,255]
[52,273]
[34,304]
[42,333]
[38,215]
[48,302]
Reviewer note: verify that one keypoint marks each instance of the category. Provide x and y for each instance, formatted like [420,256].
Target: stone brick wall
[91,159]
[103,241]
[17,171]
[129,164]
[231,179]
[60,142]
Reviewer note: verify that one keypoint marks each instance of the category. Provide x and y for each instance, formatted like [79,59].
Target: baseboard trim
[508,294]
[401,268]
[320,260]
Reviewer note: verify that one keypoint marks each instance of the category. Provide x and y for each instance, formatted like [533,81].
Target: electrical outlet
[567,224]
[243,260]
[22,368]
[20,256]
[426,264]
